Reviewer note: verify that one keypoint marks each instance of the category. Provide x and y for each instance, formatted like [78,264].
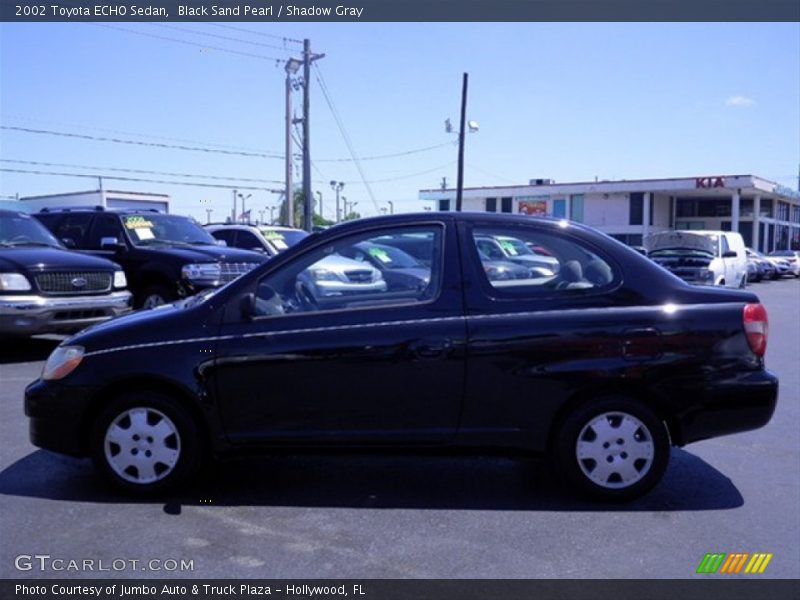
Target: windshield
[21,230]
[283,238]
[152,228]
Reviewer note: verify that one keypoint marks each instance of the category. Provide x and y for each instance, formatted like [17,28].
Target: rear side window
[522,262]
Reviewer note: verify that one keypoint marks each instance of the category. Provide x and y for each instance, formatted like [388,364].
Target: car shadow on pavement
[22,350]
[375,482]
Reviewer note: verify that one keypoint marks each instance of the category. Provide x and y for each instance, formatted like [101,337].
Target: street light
[208,215]
[337,186]
[242,197]
[391,207]
[271,214]
[320,204]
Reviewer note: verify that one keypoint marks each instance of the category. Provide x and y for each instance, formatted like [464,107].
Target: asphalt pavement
[306,516]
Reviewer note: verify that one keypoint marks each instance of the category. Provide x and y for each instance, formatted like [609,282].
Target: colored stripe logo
[736,562]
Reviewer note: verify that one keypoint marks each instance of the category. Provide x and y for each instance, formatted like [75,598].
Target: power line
[222,37]
[142,171]
[133,133]
[261,33]
[199,147]
[140,143]
[188,43]
[346,137]
[118,178]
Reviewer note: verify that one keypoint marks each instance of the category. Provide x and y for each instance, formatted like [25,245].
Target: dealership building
[765,213]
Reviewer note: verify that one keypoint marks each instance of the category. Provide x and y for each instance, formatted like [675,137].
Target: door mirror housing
[729,254]
[247,306]
[220,242]
[69,243]
[112,243]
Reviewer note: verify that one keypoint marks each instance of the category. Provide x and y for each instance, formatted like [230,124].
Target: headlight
[119,279]
[14,282]
[705,274]
[62,361]
[202,273]
[324,275]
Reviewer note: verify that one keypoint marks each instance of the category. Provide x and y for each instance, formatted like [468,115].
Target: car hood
[680,239]
[208,253]
[40,258]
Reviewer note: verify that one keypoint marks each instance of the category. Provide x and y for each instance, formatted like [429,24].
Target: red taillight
[756,327]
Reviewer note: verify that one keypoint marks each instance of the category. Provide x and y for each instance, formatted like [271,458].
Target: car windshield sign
[170,229]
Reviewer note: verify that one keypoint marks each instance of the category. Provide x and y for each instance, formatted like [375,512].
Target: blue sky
[569,102]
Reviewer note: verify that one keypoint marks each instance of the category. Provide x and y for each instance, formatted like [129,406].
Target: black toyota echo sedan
[601,363]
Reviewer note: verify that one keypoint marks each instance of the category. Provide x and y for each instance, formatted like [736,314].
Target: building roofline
[601,182]
[93,192]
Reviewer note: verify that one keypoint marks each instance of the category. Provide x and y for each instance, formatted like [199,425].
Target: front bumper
[31,315]
[728,405]
[57,417]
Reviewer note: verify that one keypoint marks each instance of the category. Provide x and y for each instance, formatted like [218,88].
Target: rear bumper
[30,315]
[731,405]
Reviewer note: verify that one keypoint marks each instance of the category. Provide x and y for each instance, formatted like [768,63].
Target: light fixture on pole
[391,207]
[244,214]
[337,186]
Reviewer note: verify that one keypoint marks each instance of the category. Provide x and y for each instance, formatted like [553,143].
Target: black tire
[150,426]
[611,419]
[155,295]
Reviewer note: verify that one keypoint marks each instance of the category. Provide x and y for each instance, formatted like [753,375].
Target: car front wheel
[612,449]
[145,442]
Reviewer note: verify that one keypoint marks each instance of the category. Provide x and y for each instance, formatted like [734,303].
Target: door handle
[431,348]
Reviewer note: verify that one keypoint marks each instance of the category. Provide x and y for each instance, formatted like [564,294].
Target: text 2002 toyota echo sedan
[601,365]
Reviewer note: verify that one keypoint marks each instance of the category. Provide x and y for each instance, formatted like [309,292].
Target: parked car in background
[500,270]
[335,279]
[765,268]
[601,366]
[400,270]
[44,288]
[511,249]
[791,257]
[165,257]
[701,257]
[269,239]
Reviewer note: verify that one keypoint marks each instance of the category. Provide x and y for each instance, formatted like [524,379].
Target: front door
[332,356]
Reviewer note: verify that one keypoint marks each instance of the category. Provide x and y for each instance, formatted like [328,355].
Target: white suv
[269,239]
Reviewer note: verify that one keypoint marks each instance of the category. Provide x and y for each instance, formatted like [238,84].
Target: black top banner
[401,10]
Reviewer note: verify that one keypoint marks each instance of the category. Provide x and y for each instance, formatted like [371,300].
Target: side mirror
[220,242]
[111,243]
[729,254]
[248,306]
[68,242]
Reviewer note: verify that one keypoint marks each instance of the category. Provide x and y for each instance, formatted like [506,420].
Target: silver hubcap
[152,301]
[142,445]
[615,450]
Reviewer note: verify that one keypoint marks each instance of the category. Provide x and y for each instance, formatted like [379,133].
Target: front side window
[533,262]
[359,271]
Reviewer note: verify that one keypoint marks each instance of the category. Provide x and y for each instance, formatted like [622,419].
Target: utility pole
[292,65]
[460,181]
[308,58]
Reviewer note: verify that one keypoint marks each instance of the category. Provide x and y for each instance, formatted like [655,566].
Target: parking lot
[315,516]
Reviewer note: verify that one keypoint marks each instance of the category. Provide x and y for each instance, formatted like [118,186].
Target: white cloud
[740,102]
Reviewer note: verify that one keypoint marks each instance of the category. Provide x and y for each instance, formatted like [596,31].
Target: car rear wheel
[612,449]
[146,442]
